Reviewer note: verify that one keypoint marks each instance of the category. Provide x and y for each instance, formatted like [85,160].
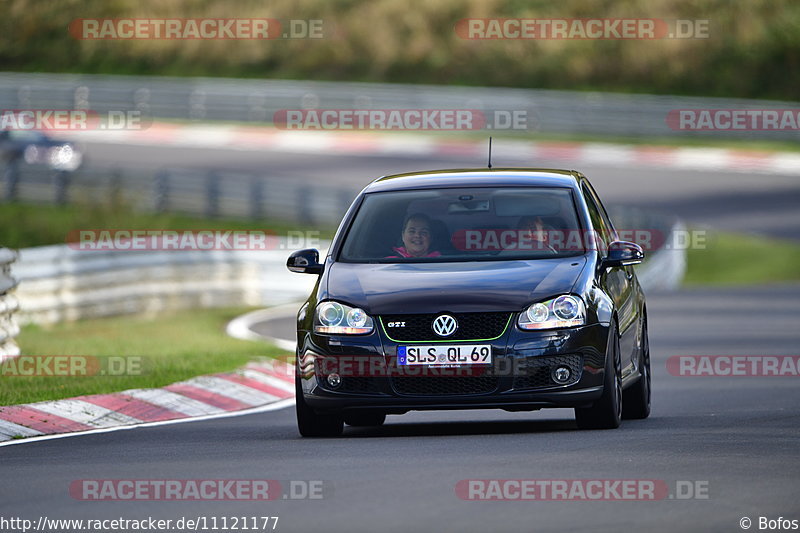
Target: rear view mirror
[305,262]
[623,253]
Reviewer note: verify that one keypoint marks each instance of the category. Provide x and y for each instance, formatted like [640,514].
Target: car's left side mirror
[623,253]
[305,262]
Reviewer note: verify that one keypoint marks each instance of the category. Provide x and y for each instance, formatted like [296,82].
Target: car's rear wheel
[606,413]
[636,399]
[364,419]
[312,424]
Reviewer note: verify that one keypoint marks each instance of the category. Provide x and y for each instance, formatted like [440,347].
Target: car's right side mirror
[305,262]
[623,253]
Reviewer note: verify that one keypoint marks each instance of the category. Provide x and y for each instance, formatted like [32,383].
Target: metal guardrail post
[212,194]
[8,306]
[256,198]
[115,187]
[161,191]
[304,215]
[12,180]
[62,179]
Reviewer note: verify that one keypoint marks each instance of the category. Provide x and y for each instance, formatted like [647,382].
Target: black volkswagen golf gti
[468,289]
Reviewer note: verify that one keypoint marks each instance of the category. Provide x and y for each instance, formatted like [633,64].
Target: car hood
[455,287]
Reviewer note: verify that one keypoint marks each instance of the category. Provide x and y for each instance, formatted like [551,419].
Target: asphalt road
[751,203]
[736,436]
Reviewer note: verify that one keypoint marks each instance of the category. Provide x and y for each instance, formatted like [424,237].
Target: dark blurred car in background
[37,148]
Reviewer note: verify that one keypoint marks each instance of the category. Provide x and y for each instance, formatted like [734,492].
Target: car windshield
[469,224]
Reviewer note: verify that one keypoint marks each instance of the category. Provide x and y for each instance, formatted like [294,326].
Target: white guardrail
[663,269]
[59,283]
[257,101]
[8,306]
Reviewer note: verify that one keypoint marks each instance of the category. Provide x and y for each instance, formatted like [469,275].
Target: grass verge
[736,259]
[171,347]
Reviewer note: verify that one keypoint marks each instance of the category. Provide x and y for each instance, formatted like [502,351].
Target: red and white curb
[411,145]
[257,387]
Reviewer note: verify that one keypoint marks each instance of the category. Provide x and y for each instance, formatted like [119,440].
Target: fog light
[560,374]
[334,380]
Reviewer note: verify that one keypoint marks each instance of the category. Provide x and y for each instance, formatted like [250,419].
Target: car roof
[476,177]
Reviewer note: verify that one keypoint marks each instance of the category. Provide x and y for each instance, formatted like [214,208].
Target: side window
[604,215]
[598,221]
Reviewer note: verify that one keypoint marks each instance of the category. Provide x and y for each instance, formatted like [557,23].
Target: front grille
[359,384]
[442,386]
[471,326]
[536,372]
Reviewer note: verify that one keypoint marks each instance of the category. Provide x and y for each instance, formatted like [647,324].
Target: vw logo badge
[445,325]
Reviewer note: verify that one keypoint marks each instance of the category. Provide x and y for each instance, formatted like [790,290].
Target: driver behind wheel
[416,238]
[534,234]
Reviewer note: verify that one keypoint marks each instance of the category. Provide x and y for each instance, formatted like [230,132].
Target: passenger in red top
[416,238]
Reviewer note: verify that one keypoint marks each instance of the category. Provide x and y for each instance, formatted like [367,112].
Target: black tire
[312,424]
[364,419]
[636,399]
[606,412]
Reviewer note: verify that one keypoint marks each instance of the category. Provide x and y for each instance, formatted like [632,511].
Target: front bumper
[520,378]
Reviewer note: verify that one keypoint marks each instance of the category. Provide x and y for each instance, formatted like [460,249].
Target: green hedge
[753,50]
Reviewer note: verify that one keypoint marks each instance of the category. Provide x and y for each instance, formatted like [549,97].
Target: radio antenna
[490,152]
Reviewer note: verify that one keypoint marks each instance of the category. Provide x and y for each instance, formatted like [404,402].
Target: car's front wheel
[606,413]
[636,399]
[312,424]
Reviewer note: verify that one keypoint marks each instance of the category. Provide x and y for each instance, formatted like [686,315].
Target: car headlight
[31,154]
[562,312]
[340,319]
[65,157]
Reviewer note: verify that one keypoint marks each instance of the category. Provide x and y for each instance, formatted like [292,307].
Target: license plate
[462,354]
